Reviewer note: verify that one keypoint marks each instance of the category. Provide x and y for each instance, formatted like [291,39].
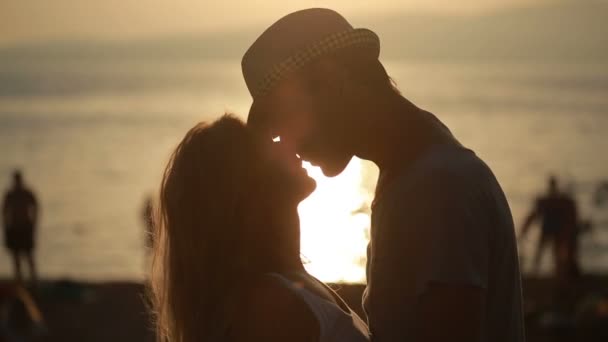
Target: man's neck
[398,132]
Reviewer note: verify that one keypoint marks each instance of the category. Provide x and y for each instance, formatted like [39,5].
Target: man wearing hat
[442,260]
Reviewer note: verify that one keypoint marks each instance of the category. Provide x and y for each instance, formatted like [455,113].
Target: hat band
[326,45]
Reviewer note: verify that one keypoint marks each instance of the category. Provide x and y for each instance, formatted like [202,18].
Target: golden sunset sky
[40,20]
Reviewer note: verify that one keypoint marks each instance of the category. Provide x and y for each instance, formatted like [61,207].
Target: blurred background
[95,94]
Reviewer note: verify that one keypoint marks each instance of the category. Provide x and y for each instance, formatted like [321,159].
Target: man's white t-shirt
[442,219]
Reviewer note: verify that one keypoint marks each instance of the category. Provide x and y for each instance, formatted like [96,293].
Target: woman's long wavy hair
[199,253]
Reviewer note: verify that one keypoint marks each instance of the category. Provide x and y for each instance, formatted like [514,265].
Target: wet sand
[91,312]
[117,311]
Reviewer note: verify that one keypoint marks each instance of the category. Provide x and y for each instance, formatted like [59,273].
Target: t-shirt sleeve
[435,230]
[432,229]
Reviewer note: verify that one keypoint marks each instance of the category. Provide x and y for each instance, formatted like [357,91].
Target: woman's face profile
[284,176]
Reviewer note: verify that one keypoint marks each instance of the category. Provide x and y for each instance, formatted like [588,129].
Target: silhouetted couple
[442,260]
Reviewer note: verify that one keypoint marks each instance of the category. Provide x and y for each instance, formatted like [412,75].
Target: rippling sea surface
[92,137]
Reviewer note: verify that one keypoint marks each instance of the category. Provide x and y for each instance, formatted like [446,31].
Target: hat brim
[361,38]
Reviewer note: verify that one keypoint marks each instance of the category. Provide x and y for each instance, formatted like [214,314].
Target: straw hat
[297,39]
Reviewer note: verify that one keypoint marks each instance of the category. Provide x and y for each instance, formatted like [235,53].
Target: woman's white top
[335,324]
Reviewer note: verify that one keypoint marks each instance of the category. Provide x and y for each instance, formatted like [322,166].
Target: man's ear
[349,86]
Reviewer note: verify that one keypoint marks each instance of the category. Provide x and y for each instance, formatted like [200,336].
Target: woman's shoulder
[266,309]
[269,290]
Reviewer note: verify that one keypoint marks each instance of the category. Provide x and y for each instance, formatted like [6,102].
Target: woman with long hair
[227,261]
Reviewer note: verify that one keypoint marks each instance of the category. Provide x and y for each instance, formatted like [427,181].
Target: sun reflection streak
[334,228]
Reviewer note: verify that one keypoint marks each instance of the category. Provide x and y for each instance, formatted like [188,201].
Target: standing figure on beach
[20,217]
[558,215]
[442,260]
[573,227]
[600,196]
[548,210]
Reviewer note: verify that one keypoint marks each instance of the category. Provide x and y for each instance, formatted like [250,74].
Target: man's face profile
[305,116]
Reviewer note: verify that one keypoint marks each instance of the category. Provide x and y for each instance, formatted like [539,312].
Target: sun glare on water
[335,225]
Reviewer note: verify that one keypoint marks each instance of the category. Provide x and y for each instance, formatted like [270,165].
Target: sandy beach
[116,311]
[78,311]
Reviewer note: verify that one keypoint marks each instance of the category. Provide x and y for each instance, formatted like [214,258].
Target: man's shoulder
[450,176]
[444,166]
[453,160]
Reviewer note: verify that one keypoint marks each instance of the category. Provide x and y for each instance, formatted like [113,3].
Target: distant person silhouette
[147,215]
[557,213]
[20,216]
[567,240]
[600,196]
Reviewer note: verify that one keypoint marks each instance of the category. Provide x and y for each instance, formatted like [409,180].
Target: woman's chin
[303,187]
[306,187]
[296,188]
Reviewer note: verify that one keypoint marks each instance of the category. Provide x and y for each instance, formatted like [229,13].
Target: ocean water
[92,137]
